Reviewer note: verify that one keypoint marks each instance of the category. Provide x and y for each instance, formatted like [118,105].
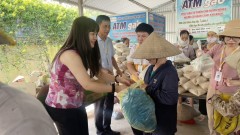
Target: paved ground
[200,128]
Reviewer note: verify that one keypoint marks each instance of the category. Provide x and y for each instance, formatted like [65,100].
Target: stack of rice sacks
[121,53]
[196,82]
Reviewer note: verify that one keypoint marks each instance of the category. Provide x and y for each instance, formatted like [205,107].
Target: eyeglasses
[233,38]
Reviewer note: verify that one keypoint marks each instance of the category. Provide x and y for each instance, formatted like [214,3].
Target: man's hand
[120,88]
[123,80]
[136,74]
[143,86]
[119,72]
[199,53]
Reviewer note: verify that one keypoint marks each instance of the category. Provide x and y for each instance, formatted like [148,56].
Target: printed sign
[125,25]
[201,16]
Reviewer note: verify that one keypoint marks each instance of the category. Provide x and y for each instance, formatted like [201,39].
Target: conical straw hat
[155,46]
[232,28]
[5,39]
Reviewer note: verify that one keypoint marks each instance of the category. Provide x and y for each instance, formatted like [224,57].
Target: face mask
[183,43]
[211,40]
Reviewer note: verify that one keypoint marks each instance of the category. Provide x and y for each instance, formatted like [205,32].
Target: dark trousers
[166,119]
[103,113]
[202,106]
[69,121]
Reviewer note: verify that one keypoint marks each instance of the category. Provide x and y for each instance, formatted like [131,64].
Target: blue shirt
[107,52]
[162,84]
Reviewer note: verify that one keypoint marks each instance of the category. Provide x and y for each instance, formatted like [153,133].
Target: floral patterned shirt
[64,89]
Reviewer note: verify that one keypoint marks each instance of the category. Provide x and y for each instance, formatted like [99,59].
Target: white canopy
[118,6]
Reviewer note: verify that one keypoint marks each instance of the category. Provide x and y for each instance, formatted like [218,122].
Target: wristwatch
[116,78]
[113,87]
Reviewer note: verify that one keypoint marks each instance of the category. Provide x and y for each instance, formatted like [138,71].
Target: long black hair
[78,40]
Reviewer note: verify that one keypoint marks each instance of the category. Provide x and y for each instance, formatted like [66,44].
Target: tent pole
[80,7]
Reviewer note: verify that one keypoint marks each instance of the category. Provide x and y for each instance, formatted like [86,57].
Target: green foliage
[36,22]
[39,28]
[22,60]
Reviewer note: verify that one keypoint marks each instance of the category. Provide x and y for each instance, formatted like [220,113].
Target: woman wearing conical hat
[222,71]
[161,81]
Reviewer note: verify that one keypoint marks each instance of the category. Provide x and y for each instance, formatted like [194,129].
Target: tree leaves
[39,28]
[32,18]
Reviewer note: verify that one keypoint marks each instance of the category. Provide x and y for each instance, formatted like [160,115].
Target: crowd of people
[88,54]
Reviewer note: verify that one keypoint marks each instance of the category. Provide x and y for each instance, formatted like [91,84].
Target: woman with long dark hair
[72,72]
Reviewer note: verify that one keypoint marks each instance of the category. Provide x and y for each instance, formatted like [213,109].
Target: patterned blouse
[64,89]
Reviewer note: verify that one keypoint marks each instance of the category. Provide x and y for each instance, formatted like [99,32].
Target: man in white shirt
[104,107]
[135,66]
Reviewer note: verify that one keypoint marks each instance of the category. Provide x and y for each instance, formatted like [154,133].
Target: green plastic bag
[92,97]
[138,108]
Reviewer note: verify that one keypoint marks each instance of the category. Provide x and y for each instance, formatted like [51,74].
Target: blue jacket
[162,86]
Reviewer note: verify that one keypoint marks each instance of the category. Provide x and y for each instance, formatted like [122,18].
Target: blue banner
[158,23]
[125,25]
[201,16]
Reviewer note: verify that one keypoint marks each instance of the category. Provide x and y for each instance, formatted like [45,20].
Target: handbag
[225,125]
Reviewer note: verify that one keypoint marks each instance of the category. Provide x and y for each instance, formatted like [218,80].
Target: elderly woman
[161,81]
